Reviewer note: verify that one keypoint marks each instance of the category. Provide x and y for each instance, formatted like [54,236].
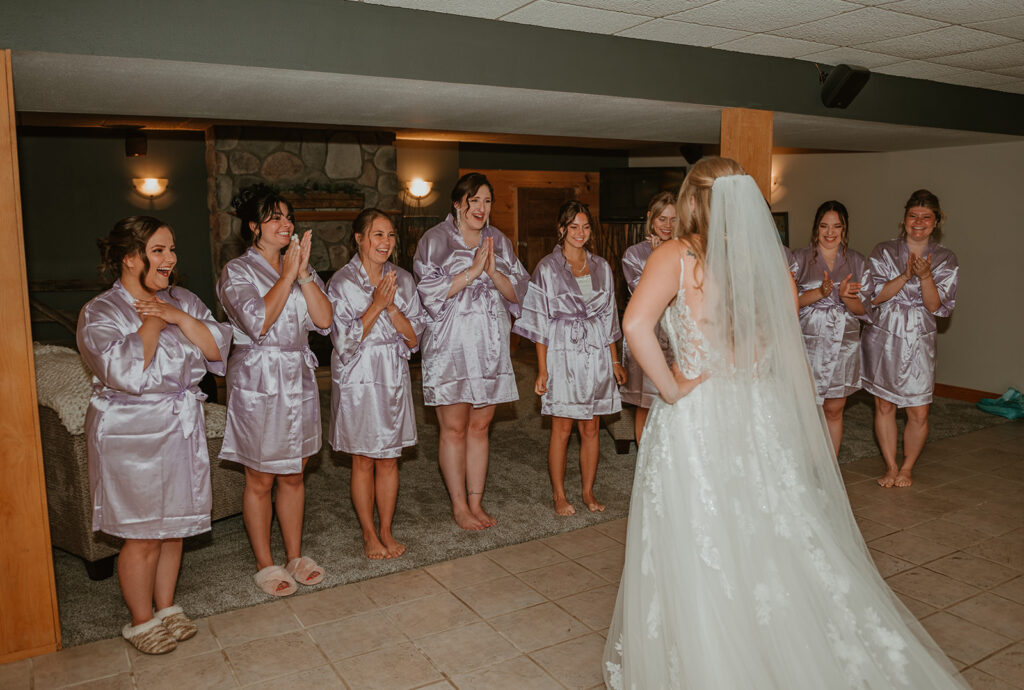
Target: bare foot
[563,507]
[373,548]
[394,548]
[468,521]
[903,479]
[483,517]
[593,504]
[889,479]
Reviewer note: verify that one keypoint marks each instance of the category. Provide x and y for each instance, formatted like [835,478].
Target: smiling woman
[148,345]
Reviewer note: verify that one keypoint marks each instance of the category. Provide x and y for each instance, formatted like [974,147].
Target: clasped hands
[296,257]
[484,260]
[384,293]
[918,266]
[156,308]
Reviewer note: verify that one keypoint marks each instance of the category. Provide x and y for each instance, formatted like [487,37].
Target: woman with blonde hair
[660,225]
[913,279]
[744,566]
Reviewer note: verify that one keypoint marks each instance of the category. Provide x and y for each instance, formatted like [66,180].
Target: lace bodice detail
[689,345]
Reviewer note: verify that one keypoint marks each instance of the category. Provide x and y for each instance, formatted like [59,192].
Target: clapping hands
[921,267]
[483,260]
[296,257]
[848,289]
[826,286]
[384,293]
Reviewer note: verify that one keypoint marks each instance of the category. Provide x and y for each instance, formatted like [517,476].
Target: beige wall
[981,188]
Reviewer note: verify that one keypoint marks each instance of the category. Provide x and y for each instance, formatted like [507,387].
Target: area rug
[217,567]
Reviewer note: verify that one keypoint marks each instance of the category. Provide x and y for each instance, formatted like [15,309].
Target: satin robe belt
[185,403]
[835,313]
[909,321]
[401,347]
[583,332]
[307,354]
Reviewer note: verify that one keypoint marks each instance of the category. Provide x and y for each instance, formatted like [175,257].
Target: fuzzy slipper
[150,637]
[302,568]
[177,623]
[271,577]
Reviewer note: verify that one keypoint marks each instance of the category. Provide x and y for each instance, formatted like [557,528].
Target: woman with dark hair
[377,324]
[913,279]
[148,347]
[569,312]
[660,224]
[744,565]
[830,314]
[470,280]
[273,299]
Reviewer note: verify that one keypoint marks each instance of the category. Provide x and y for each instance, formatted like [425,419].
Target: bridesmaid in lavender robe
[148,345]
[661,220]
[470,280]
[830,315]
[913,280]
[569,312]
[273,418]
[378,320]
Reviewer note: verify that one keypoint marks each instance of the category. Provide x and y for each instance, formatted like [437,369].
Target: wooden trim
[971,395]
[28,596]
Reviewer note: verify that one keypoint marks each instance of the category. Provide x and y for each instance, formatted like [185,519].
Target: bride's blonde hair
[693,207]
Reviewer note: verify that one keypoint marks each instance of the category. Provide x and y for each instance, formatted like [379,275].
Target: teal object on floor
[1010,404]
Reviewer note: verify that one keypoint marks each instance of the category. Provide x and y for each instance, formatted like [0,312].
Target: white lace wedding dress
[744,566]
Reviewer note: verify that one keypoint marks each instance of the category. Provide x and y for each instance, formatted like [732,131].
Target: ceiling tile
[487,9]
[851,56]
[982,80]
[958,11]
[859,26]
[1017,71]
[766,44]
[763,15]
[648,8]
[1011,26]
[1016,87]
[918,69]
[682,32]
[573,17]
[948,40]
[1011,55]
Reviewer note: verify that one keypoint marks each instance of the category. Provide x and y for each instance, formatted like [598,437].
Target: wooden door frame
[30,624]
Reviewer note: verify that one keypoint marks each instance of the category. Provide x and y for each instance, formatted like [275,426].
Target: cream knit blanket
[64,384]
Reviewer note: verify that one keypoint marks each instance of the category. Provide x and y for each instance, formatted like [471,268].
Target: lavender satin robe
[149,468]
[899,345]
[638,389]
[371,394]
[466,342]
[831,331]
[577,333]
[273,418]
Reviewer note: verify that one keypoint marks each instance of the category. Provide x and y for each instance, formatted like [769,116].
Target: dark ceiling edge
[374,40]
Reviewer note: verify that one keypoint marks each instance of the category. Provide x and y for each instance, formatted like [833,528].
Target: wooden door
[538,216]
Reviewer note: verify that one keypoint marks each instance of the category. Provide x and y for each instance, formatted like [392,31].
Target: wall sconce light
[151,187]
[419,187]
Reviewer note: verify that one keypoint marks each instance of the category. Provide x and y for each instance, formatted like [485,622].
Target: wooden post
[29,624]
[746,137]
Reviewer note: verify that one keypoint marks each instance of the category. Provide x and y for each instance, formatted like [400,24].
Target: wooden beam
[746,137]
[29,624]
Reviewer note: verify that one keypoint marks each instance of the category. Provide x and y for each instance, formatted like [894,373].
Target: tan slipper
[270,578]
[302,570]
[177,623]
[150,637]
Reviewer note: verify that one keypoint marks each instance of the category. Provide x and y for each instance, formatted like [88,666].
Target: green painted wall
[76,183]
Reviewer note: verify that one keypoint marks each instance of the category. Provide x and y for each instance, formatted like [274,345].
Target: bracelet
[466,275]
[304,281]
[615,361]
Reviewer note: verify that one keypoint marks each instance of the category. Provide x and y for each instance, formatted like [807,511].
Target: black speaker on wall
[840,86]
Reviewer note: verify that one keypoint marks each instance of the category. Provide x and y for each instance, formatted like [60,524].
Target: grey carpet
[216,573]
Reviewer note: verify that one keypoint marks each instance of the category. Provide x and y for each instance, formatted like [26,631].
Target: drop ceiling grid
[968,42]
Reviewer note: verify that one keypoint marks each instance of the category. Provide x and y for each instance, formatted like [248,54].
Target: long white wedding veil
[765,408]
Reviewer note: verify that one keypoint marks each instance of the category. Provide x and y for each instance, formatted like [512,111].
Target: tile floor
[533,615]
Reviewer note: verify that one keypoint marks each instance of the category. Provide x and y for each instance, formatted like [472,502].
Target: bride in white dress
[744,566]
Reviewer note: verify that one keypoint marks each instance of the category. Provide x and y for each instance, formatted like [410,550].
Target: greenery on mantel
[321,187]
